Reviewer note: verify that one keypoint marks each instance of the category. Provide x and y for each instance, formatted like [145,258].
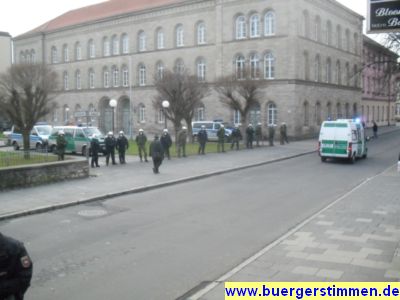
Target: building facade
[5,63]
[380,77]
[305,53]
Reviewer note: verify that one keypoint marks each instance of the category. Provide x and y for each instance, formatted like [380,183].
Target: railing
[11,158]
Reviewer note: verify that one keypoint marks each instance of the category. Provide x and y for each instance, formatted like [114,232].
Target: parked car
[212,128]
[37,140]
[78,139]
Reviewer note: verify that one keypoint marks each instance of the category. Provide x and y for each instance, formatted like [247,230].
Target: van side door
[80,140]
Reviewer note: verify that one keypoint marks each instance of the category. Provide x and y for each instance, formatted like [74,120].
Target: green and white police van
[78,139]
[342,138]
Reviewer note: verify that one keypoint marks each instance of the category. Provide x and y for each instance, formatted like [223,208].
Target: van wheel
[15,146]
[323,159]
[352,159]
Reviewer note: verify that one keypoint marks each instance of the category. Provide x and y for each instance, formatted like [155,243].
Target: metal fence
[11,158]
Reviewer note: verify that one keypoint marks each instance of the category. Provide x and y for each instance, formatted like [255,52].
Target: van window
[354,135]
[209,126]
[69,132]
[217,125]
[79,133]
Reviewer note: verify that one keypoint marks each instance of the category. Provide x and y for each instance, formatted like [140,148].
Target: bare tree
[393,41]
[24,96]
[184,93]
[239,93]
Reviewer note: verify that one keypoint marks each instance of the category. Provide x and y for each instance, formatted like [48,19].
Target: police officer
[110,148]
[122,145]
[156,152]
[182,137]
[221,138]
[258,134]
[249,136]
[15,269]
[141,140]
[61,145]
[202,138]
[95,149]
[236,137]
[166,142]
[271,134]
[283,133]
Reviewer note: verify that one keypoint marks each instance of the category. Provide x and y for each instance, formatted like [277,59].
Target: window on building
[125,43]
[254,66]
[201,33]
[272,114]
[78,51]
[179,34]
[356,76]
[329,33]
[106,47]
[160,39]
[22,57]
[142,113]
[160,70]
[347,70]
[78,84]
[306,112]
[200,114]
[254,26]
[115,76]
[142,41]
[115,44]
[317,29]
[54,55]
[356,48]
[338,73]
[240,65]
[306,65]
[66,53]
[106,78]
[236,117]
[328,71]
[125,76]
[306,24]
[339,111]
[240,26]
[329,115]
[201,69]
[318,114]
[317,68]
[161,116]
[33,56]
[347,40]
[66,81]
[179,66]
[92,49]
[339,36]
[142,75]
[269,23]
[269,66]
[347,111]
[91,79]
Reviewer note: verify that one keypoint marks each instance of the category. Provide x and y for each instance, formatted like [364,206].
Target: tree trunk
[189,127]
[25,137]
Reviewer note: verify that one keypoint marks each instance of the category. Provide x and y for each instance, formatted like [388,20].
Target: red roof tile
[100,11]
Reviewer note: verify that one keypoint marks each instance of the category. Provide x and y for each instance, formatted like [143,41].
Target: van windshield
[43,130]
[92,130]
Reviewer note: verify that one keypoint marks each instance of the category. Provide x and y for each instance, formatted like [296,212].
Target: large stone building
[380,78]
[305,53]
[5,63]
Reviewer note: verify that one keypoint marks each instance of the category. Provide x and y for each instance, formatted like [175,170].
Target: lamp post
[165,105]
[113,104]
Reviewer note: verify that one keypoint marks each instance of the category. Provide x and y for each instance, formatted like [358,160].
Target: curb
[43,209]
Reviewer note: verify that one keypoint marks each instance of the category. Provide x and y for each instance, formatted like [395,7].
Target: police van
[38,137]
[78,139]
[342,138]
[212,128]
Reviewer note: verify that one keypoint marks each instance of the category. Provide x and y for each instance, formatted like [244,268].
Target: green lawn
[16,158]
[191,148]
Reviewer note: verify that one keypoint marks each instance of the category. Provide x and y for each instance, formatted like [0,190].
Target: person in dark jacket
[156,152]
[283,133]
[258,134]
[15,269]
[141,140]
[249,136]
[122,145]
[221,138]
[236,137]
[271,134]
[182,137]
[95,149]
[202,138]
[166,142]
[110,148]
[375,129]
[61,145]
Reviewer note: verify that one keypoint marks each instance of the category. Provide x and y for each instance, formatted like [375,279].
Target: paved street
[163,244]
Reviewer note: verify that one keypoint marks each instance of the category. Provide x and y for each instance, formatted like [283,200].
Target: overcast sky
[20,16]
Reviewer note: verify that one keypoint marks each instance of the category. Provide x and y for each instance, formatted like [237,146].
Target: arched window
[179,34]
[91,49]
[339,111]
[338,73]
[317,68]
[347,111]
[254,66]
[339,36]
[142,75]
[125,76]
[269,66]
[179,66]
[201,33]
[160,39]
[318,114]
[272,114]
[347,47]
[115,44]
[78,51]
[201,69]
[329,33]
[328,71]
[240,27]
[159,70]
[106,47]
[22,57]
[329,115]
[356,75]
[125,43]
[317,29]
[306,24]
[142,41]
[269,23]
[240,66]
[200,113]
[78,84]
[306,112]
[66,114]
[54,55]
[347,70]
[115,76]
[142,113]
[33,56]
[106,78]
[27,57]
[254,26]
[306,66]
[356,50]
[236,116]
[66,53]
[66,81]
[91,79]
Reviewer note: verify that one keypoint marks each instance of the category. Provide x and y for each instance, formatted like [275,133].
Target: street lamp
[113,104]
[165,105]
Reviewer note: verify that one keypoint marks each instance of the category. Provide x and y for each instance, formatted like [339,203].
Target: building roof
[378,47]
[100,11]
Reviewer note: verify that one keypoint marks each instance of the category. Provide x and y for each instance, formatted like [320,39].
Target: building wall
[5,51]
[293,89]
